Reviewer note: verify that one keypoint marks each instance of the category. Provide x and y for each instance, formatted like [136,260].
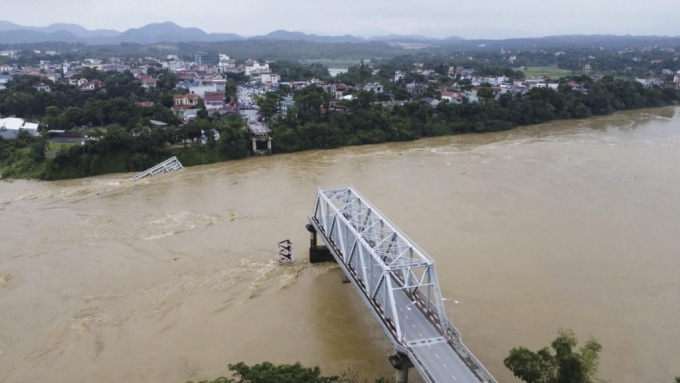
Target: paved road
[438,357]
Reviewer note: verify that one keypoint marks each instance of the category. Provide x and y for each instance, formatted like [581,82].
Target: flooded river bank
[571,224]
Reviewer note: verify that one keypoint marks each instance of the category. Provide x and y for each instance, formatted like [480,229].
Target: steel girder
[382,262]
[380,257]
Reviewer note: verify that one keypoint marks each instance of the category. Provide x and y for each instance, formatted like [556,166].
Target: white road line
[414,326]
[436,356]
[444,365]
[454,378]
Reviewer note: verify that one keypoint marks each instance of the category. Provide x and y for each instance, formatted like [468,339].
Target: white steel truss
[169,165]
[390,272]
[380,257]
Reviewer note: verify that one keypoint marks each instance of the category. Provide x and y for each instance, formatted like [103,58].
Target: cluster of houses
[203,81]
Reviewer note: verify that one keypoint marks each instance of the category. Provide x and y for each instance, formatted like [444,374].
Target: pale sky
[436,18]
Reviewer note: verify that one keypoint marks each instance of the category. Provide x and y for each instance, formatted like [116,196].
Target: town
[182,99]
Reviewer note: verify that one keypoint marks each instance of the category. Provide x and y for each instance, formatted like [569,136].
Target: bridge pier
[317,254]
[401,363]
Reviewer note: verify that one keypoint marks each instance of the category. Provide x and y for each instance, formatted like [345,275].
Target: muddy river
[573,224]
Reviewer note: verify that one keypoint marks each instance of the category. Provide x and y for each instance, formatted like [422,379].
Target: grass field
[54,147]
[551,71]
[340,64]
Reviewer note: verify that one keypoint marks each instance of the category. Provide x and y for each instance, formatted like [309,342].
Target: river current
[571,224]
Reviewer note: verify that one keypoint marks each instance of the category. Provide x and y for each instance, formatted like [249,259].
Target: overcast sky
[437,18]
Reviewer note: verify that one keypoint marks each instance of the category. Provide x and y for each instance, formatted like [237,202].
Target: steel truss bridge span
[398,282]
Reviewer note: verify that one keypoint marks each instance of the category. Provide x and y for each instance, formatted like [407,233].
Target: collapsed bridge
[398,283]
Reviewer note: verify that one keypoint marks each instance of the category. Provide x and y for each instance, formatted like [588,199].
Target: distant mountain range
[11,33]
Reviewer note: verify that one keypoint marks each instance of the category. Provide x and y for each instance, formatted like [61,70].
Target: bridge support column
[401,363]
[317,254]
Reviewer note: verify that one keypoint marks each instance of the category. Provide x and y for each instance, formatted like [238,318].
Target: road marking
[400,309]
[406,316]
[454,378]
[436,356]
[421,335]
[414,326]
[444,365]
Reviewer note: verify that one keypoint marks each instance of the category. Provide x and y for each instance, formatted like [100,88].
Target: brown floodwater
[572,224]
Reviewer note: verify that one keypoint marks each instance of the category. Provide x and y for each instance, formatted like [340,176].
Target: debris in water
[286,252]
[233,216]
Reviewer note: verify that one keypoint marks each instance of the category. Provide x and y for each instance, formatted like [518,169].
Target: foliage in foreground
[285,373]
[565,366]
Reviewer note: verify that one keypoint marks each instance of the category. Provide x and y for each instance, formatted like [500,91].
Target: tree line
[311,124]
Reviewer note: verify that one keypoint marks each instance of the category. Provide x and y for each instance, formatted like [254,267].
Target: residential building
[415,89]
[269,78]
[373,87]
[186,99]
[226,65]
[148,83]
[448,96]
[174,65]
[214,100]
[42,86]
[399,75]
[286,104]
[253,66]
[91,86]
[10,127]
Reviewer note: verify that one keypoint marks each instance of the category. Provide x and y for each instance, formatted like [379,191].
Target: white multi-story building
[254,66]
[270,78]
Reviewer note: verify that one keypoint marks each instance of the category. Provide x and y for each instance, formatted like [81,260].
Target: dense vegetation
[284,373]
[116,150]
[66,107]
[306,127]
[564,366]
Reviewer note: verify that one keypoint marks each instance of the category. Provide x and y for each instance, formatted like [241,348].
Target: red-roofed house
[148,83]
[91,86]
[186,99]
[145,104]
[214,100]
[42,86]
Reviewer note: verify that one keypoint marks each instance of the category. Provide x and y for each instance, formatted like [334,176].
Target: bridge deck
[406,303]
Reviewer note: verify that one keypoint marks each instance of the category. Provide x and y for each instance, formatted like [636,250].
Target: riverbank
[305,128]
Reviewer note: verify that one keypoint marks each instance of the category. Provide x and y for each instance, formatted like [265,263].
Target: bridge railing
[382,257]
[384,263]
[169,165]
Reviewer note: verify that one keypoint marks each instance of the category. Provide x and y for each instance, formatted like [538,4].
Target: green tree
[167,100]
[565,366]
[285,373]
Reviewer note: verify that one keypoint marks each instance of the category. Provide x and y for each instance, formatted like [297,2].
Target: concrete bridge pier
[317,254]
[402,364]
